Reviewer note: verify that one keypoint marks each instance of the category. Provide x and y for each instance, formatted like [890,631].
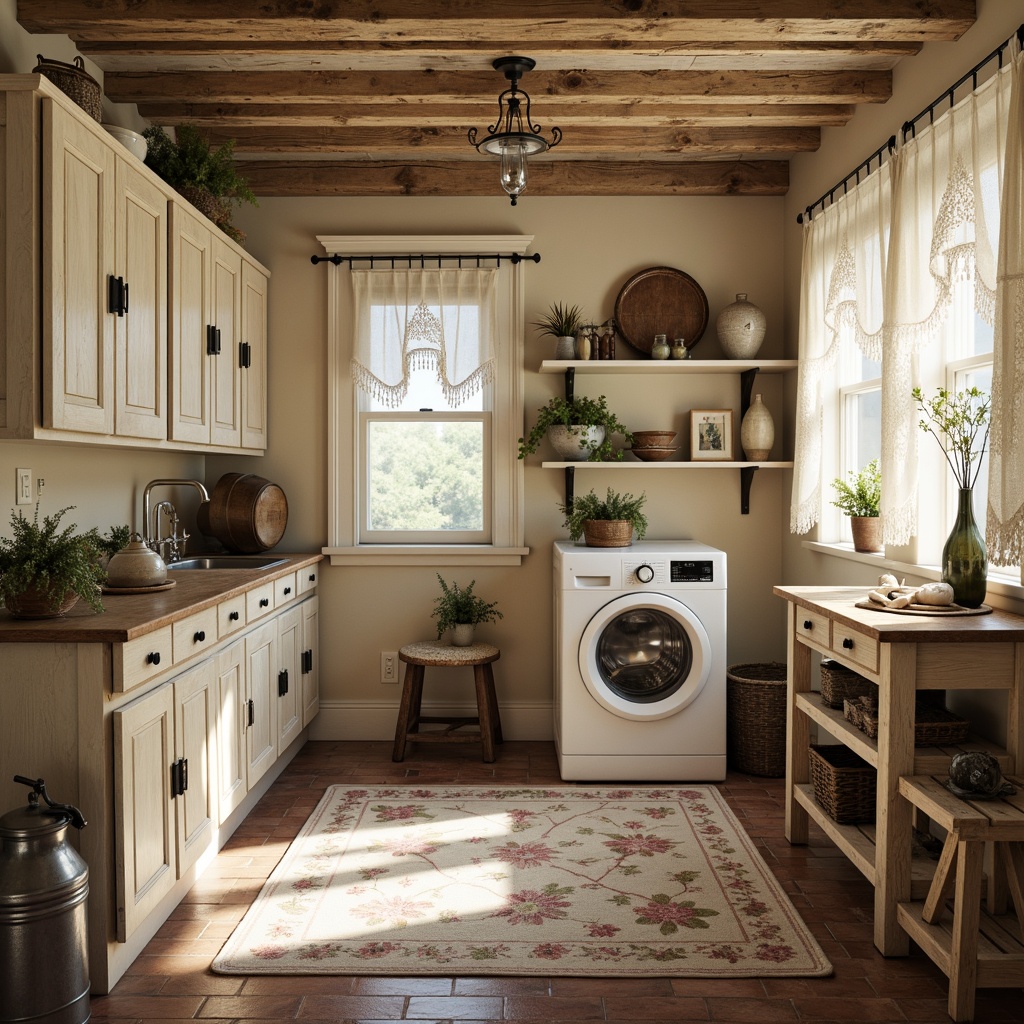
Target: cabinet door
[254,372]
[225,373]
[78,257]
[144,840]
[140,335]
[190,315]
[195,730]
[310,611]
[232,714]
[261,692]
[289,677]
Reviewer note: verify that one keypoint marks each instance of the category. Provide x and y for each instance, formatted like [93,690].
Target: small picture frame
[711,435]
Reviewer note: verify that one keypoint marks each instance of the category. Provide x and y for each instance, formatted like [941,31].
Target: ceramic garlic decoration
[757,431]
[741,326]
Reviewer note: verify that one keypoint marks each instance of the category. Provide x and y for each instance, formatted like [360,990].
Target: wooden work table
[900,654]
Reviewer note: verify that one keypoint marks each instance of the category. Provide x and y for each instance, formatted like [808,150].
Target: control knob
[644,573]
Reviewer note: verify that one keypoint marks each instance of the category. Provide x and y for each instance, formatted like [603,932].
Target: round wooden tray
[139,590]
[661,300]
[943,611]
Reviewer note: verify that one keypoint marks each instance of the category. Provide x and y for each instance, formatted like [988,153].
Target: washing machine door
[644,656]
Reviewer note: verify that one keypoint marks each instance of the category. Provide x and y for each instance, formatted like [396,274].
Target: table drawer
[230,616]
[259,602]
[855,646]
[142,658]
[307,578]
[814,626]
[194,635]
[284,589]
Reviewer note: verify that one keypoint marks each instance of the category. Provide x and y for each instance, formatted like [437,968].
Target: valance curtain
[442,319]
[934,219]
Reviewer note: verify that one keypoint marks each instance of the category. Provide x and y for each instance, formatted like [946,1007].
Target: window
[423,471]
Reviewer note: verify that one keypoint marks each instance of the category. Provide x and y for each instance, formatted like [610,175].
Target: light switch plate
[23,487]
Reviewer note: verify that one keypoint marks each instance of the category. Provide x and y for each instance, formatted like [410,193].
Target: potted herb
[45,570]
[562,323]
[206,177]
[579,430]
[608,522]
[460,610]
[116,538]
[859,499]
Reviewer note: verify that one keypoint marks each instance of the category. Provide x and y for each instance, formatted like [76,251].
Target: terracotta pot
[867,533]
[608,533]
[32,604]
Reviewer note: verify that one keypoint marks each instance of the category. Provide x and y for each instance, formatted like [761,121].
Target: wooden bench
[972,947]
[420,656]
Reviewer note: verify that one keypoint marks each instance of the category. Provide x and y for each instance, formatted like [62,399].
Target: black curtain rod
[909,128]
[424,257]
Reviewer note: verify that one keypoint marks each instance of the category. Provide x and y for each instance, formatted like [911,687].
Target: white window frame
[344,498]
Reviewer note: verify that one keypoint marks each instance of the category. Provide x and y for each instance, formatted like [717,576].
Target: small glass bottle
[679,349]
[660,349]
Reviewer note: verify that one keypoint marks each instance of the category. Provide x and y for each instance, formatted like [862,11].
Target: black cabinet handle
[153,658]
[848,643]
[282,682]
[199,637]
[126,298]
[807,623]
[264,602]
[251,707]
[210,350]
[117,295]
[307,661]
[232,616]
[244,355]
[179,777]
[216,338]
[312,577]
[287,591]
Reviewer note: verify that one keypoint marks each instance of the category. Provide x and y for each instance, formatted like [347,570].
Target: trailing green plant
[613,506]
[561,321]
[116,538]
[582,411]
[460,605]
[862,496]
[959,418]
[52,560]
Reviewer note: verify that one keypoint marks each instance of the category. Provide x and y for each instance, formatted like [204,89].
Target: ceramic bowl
[652,438]
[654,454]
[132,141]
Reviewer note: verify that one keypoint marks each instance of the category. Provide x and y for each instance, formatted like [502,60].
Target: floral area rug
[625,882]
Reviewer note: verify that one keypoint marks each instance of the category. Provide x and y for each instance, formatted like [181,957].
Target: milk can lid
[36,820]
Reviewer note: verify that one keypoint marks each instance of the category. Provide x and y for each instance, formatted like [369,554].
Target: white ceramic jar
[741,327]
[757,431]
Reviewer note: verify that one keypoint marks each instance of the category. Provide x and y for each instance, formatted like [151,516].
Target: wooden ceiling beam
[630,22]
[568,178]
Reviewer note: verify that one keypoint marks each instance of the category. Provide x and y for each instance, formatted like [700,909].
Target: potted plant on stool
[460,610]
[608,522]
[859,500]
[579,429]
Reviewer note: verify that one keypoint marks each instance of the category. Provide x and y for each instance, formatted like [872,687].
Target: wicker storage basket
[74,81]
[756,696]
[933,726]
[844,784]
[608,533]
[839,682]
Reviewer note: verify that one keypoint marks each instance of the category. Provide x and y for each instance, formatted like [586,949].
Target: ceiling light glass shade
[513,168]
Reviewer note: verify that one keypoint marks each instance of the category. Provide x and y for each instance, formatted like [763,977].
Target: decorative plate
[661,300]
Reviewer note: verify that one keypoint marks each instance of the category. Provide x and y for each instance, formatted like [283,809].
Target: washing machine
[640,661]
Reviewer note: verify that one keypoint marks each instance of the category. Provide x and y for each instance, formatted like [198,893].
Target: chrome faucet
[170,547]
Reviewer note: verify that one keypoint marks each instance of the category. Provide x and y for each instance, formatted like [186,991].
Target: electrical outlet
[389,666]
[23,487]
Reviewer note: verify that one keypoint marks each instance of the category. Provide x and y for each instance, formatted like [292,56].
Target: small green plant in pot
[460,610]
[609,522]
[110,543]
[44,570]
[562,323]
[860,499]
[579,430]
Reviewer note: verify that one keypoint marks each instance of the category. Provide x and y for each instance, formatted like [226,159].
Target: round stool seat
[429,652]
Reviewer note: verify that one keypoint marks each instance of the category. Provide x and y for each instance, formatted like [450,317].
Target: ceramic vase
[462,634]
[964,556]
[741,326]
[582,350]
[565,348]
[571,443]
[757,431]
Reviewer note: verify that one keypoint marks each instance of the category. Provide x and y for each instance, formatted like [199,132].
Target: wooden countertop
[126,616]
[839,603]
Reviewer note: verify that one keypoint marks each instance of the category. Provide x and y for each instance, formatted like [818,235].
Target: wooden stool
[427,654]
[976,949]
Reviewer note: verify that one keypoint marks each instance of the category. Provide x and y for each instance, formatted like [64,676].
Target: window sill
[426,554]
[998,583]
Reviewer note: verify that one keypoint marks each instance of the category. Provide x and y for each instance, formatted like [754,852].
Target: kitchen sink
[228,562]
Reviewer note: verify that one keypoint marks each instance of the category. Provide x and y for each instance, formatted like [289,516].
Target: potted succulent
[859,499]
[460,610]
[45,570]
[206,177]
[562,323]
[580,429]
[608,522]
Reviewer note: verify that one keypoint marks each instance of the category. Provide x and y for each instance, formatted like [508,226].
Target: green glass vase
[964,558]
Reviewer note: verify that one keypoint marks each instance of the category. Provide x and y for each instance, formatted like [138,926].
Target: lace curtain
[931,219]
[441,319]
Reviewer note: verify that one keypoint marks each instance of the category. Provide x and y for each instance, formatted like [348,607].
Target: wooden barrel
[246,513]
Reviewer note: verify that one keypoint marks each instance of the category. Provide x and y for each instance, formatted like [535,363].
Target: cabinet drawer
[849,643]
[284,589]
[813,626]
[259,602]
[230,615]
[142,658]
[194,635]
[307,578]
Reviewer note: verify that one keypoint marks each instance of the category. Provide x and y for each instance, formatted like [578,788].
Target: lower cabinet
[310,669]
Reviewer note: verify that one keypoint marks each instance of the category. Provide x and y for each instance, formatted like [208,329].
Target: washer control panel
[644,571]
[699,571]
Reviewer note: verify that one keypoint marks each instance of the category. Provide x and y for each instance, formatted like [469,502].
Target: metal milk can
[44,965]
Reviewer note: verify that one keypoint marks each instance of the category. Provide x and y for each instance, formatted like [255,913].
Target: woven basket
[36,604]
[933,726]
[209,205]
[74,81]
[838,683]
[844,784]
[756,696]
[608,533]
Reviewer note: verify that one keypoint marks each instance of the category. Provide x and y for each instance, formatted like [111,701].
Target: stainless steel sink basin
[228,562]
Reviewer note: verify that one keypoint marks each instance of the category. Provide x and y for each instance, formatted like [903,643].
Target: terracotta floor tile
[761,1011]
[456,1007]
[320,984]
[375,986]
[278,1007]
[835,1010]
[502,986]
[116,1005]
[202,985]
[657,1007]
[353,1007]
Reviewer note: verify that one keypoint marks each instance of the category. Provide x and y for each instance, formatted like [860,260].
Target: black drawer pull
[848,643]
[264,601]
[808,624]
[199,637]
[153,658]
[312,577]
[232,616]
[287,591]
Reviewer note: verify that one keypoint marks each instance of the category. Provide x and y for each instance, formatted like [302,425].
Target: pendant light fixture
[513,137]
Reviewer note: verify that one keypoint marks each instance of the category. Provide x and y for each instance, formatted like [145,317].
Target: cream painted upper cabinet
[253,356]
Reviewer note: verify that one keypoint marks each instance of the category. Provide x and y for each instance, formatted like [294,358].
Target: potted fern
[580,429]
[562,323]
[860,499]
[608,522]
[460,610]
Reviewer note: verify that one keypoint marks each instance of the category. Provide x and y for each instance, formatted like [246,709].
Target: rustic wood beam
[629,22]
[568,178]
[471,87]
[591,140]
